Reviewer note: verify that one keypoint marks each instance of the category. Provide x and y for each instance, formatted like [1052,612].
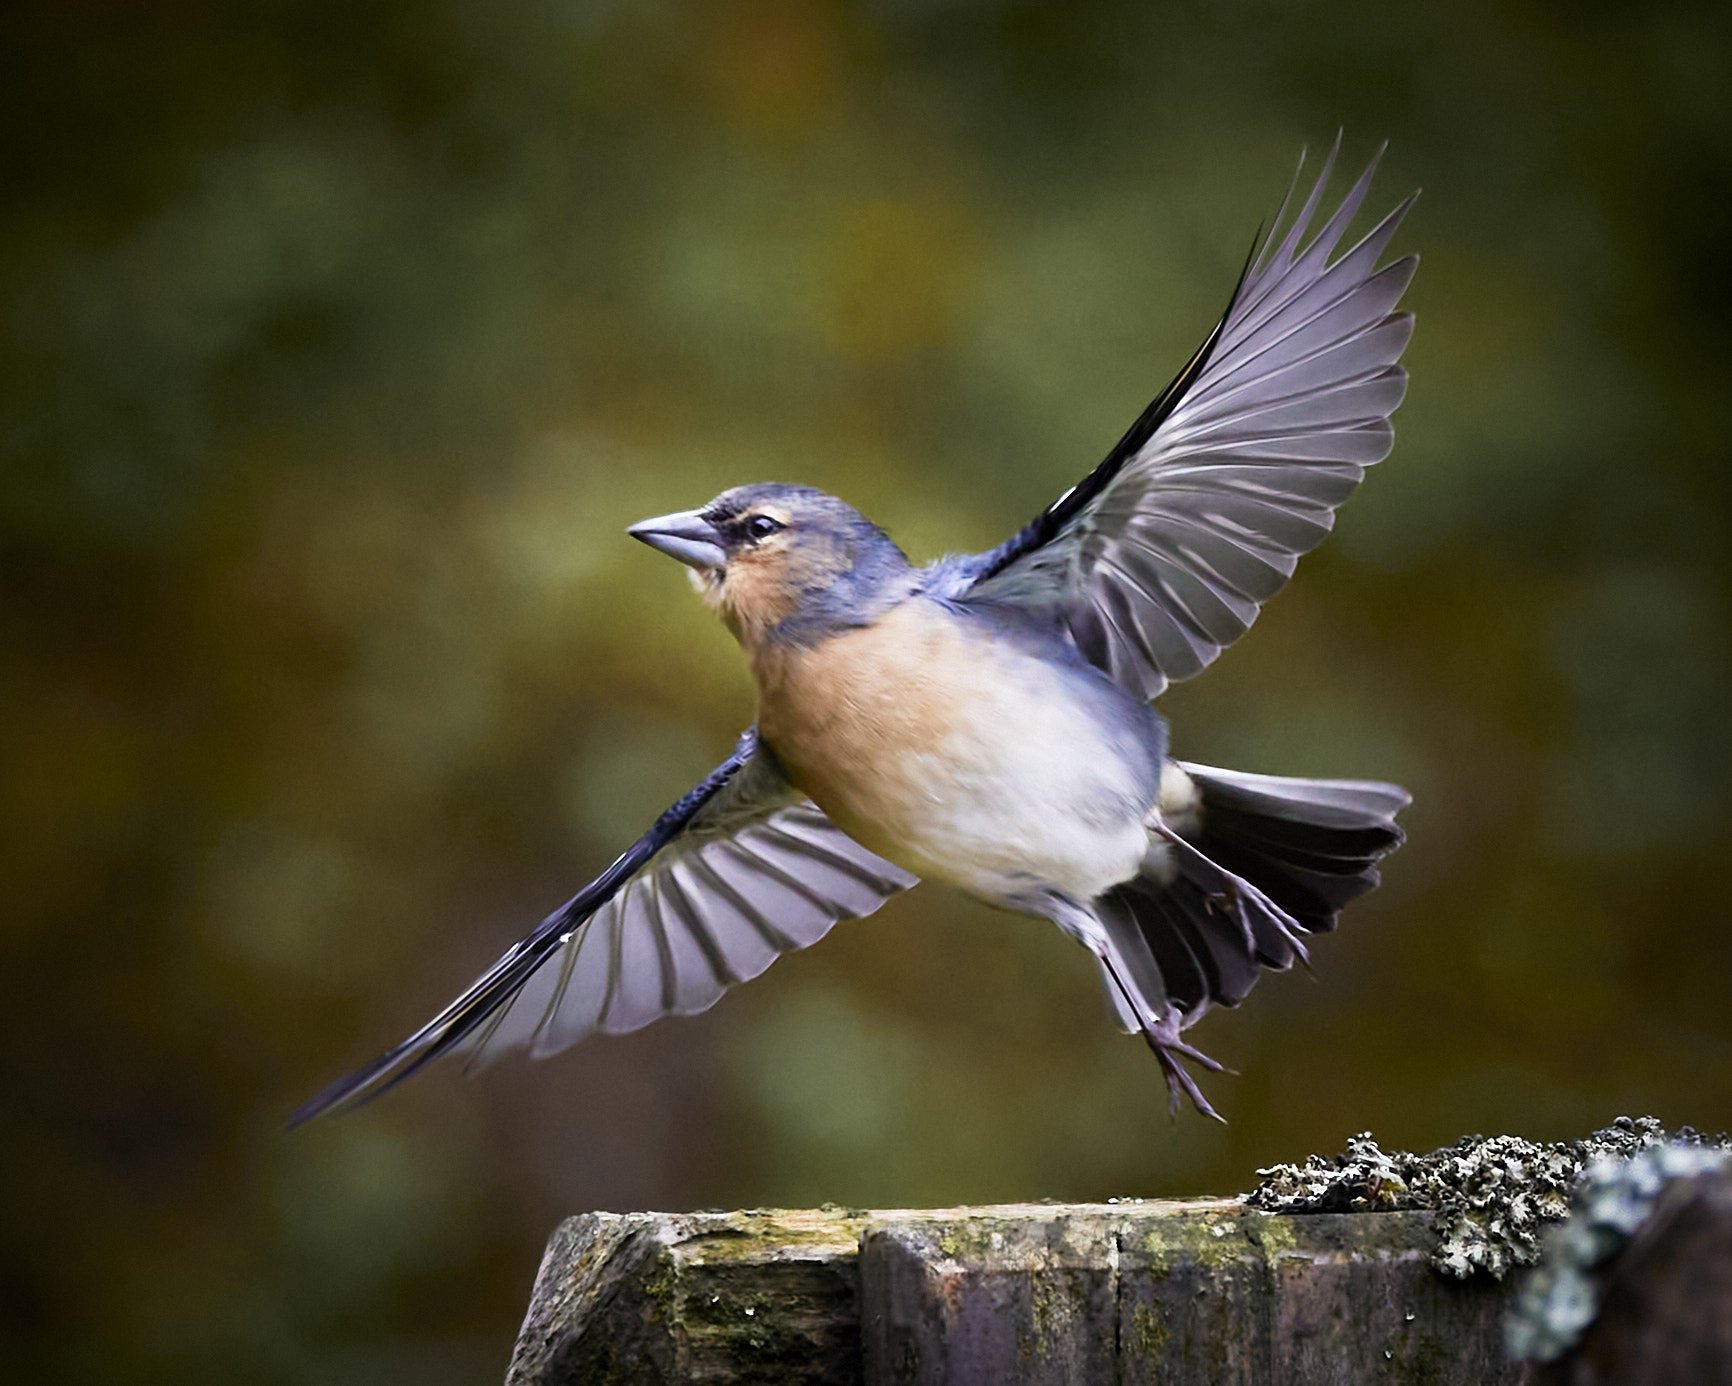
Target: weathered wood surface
[664,1297]
[1199,1291]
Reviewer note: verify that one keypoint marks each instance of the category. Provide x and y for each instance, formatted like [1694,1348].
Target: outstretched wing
[738,872]
[1162,556]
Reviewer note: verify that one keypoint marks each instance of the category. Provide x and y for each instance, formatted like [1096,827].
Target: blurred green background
[338,344]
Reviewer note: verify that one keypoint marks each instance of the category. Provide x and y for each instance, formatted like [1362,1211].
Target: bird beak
[685,535]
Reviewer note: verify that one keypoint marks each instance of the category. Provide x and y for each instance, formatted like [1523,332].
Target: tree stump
[1197,1291]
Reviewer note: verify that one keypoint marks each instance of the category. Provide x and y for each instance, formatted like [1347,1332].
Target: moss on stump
[1173,1292]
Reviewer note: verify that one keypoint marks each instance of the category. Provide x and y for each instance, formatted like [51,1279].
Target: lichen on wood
[1491,1196]
[1624,1210]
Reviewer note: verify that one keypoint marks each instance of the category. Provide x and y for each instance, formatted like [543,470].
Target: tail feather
[1295,841]
[1310,845]
[1204,956]
[1328,803]
[1270,859]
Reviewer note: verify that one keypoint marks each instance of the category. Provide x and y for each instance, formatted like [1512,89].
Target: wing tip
[344,1095]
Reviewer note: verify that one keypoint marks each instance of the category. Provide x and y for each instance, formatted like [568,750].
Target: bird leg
[1231,894]
[1162,1034]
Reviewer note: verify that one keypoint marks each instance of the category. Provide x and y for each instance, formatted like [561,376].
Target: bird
[987,721]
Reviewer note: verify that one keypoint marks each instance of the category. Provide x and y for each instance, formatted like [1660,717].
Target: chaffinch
[985,721]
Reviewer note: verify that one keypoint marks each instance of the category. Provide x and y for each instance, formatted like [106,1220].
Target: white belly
[961,758]
[1002,814]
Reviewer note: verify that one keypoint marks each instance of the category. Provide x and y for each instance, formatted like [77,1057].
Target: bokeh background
[338,344]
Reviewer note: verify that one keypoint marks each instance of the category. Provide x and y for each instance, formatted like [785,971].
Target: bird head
[786,563]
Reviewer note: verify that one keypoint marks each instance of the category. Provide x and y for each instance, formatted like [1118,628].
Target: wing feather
[738,872]
[1164,554]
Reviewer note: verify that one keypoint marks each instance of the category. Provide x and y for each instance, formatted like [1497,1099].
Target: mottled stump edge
[1189,1291]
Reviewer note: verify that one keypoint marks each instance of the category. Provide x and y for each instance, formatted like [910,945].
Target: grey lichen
[1614,1198]
[1492,1196]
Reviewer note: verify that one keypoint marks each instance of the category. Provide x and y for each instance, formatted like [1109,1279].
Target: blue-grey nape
[847,571]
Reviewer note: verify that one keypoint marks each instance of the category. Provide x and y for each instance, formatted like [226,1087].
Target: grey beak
[685,535]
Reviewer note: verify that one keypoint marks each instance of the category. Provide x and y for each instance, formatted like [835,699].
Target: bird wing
[1162,556]
[738,872]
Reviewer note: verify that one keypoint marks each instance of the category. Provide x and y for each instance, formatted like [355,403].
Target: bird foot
[1233,896]
[1169,1048]
[1230,902]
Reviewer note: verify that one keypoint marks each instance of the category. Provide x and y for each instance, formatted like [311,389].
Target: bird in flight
[986,721]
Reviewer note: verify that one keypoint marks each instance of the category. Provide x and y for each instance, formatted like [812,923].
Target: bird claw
[1230,902]
[1162,1031]
[1231,894]
[1168,1048]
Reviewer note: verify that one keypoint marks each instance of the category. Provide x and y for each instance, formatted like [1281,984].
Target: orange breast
[956,754]
[859,720]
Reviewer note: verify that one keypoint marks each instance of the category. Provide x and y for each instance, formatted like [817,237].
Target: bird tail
[1250,866]
[1309,845]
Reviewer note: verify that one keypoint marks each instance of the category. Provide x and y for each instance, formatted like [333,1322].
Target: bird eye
[761,527]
